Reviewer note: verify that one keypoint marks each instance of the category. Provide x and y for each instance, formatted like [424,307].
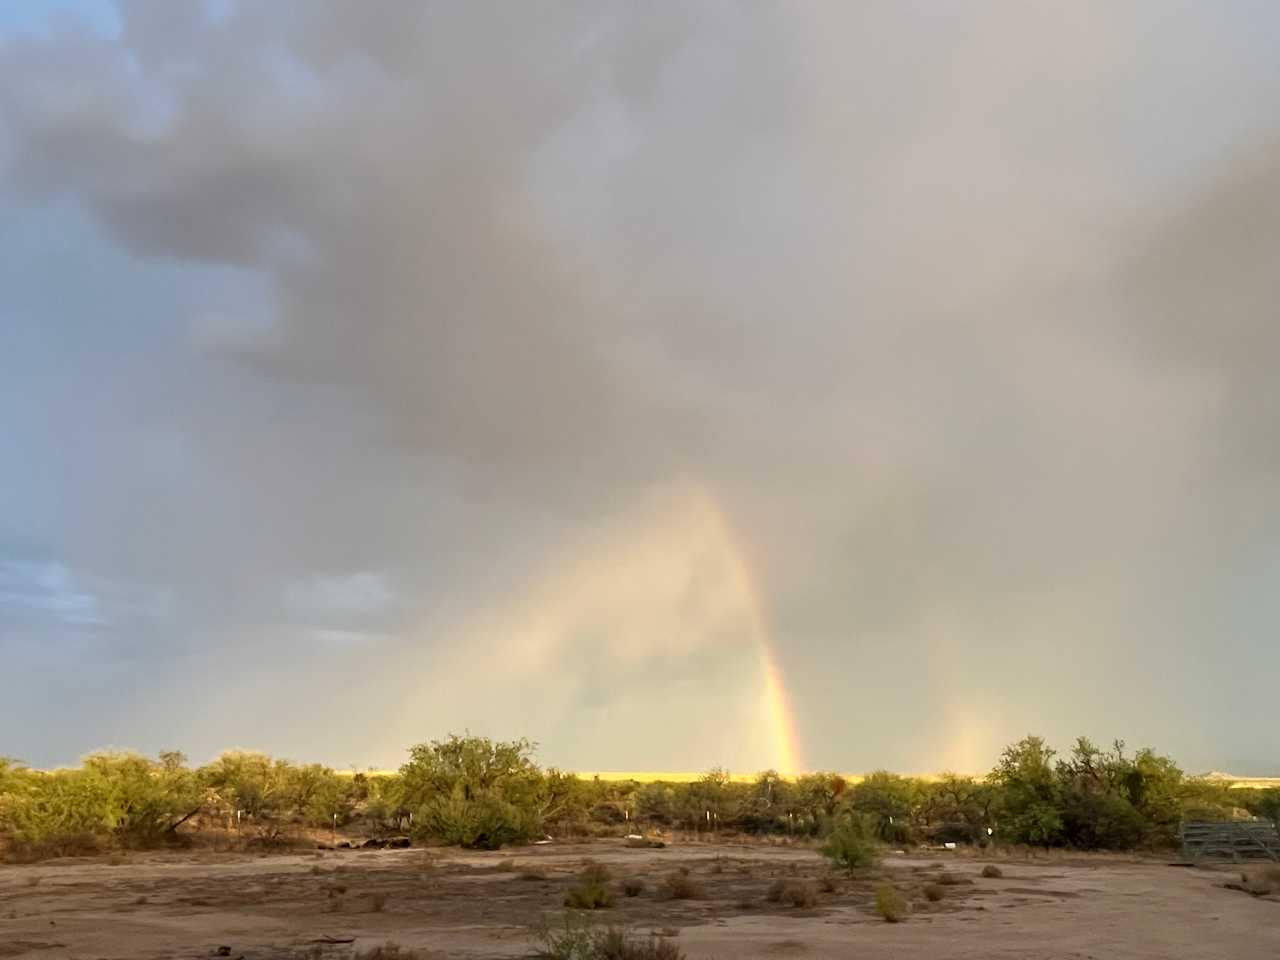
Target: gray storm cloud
[368,335]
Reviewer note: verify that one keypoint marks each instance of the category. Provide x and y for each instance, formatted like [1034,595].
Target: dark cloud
[413,356]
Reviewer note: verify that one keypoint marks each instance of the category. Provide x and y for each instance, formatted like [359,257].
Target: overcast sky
[375,370]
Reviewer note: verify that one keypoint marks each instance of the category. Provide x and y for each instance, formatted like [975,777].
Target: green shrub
[478,793]
[890,904]
[55,814]
[851,846]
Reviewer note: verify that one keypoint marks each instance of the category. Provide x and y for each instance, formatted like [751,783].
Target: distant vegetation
[474,792]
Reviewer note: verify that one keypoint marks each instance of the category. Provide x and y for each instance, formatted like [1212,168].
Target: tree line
[476,792]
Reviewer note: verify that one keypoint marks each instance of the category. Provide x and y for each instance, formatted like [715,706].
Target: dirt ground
[463,904]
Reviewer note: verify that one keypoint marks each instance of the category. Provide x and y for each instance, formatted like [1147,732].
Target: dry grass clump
[680,886]
[992,872]
[933,892]
[505,866]
[592,891]
[377,901]
[948,879]
[531,872]
[828,883]
[890,904]
[1261,883]
[633,887]
[645,843]
[578,941]
[33,881]
[388,951]
[797,893]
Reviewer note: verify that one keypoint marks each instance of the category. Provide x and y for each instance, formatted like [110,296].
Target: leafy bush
[473,792]
[850,845]
[890,904]
[55,814]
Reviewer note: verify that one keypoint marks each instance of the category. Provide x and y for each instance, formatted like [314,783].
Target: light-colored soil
[460,904]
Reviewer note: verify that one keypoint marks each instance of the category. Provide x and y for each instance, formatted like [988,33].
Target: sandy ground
[460,904]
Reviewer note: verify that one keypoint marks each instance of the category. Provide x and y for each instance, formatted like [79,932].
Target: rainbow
[776,701]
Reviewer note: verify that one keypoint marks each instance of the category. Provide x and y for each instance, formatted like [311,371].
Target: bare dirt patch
[465,904]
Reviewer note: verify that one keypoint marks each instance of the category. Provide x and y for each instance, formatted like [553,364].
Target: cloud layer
[361,354]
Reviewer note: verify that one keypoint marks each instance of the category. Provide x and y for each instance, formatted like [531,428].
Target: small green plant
[851,845]
[934,892]
[890,904]
[592,891]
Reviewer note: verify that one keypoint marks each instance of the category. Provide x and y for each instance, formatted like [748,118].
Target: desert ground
[451,903]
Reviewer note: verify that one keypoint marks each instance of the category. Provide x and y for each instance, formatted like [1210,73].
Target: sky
[798,385]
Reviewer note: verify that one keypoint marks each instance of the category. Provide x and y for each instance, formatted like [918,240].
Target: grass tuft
[592,891]
[890,904]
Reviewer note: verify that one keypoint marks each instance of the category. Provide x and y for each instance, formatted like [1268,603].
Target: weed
[377,901]
[633,887]
[592,891]
[532,872]
[828,883]
[991,871]
[890,903]
[140,901]
[578,941]
[388,951]
[799,893]
[680,886]
[33,881]
[934,892]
